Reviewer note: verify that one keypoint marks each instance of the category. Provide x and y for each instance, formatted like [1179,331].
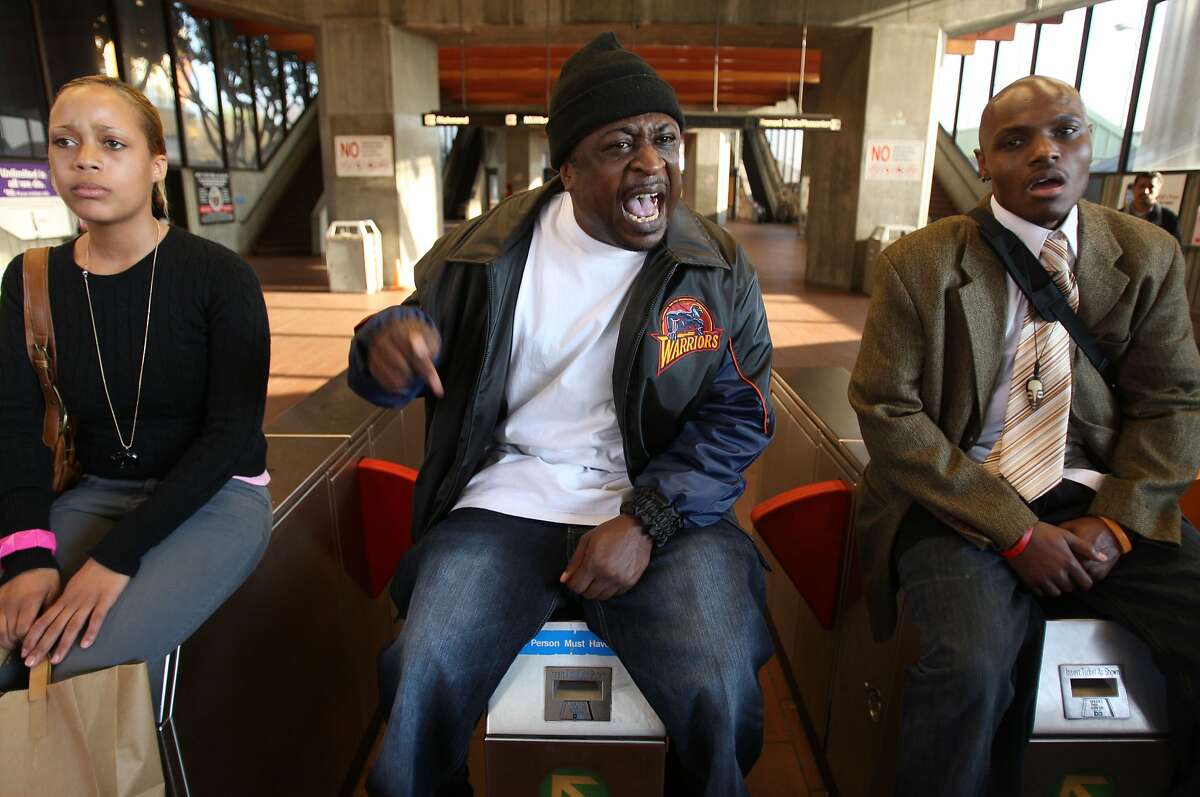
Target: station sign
[363,156]
[737,120]
[798,123]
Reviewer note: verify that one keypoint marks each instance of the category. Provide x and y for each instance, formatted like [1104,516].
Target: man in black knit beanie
[595,364]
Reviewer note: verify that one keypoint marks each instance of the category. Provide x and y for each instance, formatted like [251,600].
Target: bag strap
[39,684]
[1047,300]
[39,339]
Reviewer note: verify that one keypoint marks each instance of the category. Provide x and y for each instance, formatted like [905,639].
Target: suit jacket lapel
[984,300]
[1101,283]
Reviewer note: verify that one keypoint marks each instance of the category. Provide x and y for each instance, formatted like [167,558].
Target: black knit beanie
[599,84]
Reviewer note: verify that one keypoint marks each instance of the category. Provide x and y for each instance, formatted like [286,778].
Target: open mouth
[643,208]
[1046,185]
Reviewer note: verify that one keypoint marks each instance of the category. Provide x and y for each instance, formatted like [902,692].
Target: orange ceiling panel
[517,76]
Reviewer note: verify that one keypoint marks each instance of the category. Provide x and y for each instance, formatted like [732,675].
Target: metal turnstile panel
[1098,679]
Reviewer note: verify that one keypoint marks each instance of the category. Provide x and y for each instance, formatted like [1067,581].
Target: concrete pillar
[376,80]
[706,173]
[527,154]
[900,129]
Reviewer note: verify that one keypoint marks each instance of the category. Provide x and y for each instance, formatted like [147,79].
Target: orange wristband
[1016,550]
[1123,541]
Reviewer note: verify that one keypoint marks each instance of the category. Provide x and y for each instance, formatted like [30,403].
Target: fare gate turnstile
[567,718]
[1100,725]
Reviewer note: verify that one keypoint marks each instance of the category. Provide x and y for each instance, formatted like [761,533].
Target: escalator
[766,183]
[460,172]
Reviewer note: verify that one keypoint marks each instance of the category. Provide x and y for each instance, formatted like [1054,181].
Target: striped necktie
[1030,452]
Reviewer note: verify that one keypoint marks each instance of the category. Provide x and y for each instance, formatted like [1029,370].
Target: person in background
[162,358]
[1145,204]
[1006,473]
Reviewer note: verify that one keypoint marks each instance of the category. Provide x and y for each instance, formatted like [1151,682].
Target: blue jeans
[181,581]
[961,734]
[480,584]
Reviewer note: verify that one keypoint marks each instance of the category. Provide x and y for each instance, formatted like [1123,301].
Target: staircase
[940,203]
[288,230]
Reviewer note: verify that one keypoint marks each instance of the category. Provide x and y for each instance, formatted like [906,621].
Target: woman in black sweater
[162,357]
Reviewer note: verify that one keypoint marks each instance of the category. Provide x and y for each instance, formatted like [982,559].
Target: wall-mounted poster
[214,199]
[23,179]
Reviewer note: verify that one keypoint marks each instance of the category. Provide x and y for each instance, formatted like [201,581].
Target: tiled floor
[311,330]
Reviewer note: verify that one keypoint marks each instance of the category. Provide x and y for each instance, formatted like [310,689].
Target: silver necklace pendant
[125,459]
[1035,391]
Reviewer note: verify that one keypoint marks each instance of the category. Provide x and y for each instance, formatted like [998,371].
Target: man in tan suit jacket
[931,389]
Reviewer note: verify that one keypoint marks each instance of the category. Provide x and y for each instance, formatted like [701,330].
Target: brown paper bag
[88,736]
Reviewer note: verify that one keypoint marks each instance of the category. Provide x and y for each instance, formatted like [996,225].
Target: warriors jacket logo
[686,327]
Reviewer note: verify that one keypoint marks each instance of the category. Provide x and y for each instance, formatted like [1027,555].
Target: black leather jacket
[691,374]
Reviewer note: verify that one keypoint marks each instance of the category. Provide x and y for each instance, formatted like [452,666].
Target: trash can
[354,256]
[879,240]
[568,719]
[1100,723]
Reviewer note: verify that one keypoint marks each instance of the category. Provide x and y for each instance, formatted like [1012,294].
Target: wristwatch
[658,518]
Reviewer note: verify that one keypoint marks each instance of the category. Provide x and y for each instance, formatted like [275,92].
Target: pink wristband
[1015,551]
[32,538]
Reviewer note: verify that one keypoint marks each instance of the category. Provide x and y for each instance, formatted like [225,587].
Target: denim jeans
[480,584]
[181,581]
[961,735]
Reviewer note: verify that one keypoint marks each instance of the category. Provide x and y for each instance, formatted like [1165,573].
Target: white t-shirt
[558,455]
[1077,467]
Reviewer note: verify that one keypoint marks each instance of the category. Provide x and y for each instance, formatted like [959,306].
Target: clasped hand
[34,615]
[1073,555]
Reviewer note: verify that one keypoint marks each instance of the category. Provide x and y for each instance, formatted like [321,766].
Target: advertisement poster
[23,179]
[214,199]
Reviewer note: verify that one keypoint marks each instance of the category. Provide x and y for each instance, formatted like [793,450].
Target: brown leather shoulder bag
[57,432]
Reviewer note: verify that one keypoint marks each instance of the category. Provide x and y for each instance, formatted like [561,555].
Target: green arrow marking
[573,783]
[1086,786]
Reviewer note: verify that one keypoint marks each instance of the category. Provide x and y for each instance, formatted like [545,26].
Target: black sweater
[203,392]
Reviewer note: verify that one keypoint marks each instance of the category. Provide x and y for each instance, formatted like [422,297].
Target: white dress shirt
[1077,466]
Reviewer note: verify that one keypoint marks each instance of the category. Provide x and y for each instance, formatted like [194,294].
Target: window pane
[1166,127]
[946,91]
[197,86]
[1108,69]
[267,99]
[293,82]
[237,98]
[147,65]
[22,98]
[977,78]
[1058,49]
[78,39]
[311,67]
[1013,58]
